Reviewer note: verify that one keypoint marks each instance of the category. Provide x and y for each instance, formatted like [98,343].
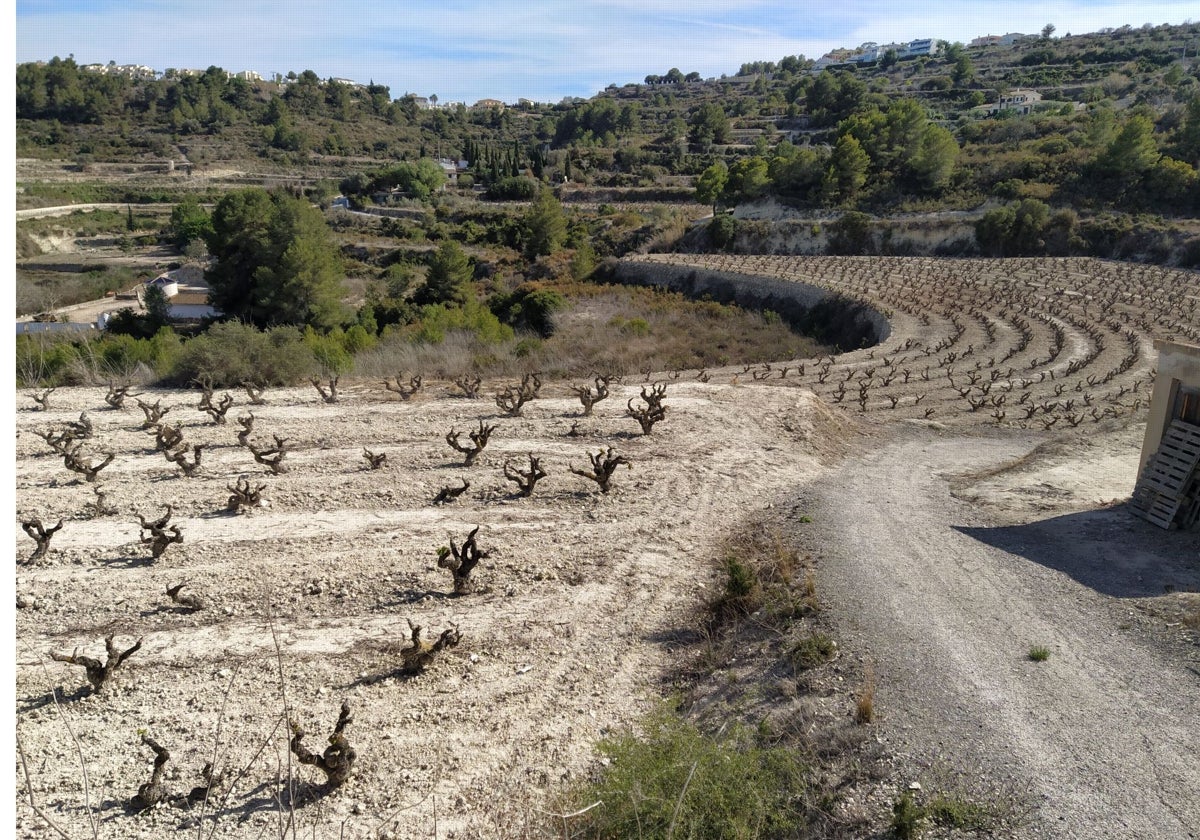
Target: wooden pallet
[1168,492]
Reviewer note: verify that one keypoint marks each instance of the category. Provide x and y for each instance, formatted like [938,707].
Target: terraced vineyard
[1036,343]
[307,602]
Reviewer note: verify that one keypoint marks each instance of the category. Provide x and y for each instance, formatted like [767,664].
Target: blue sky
[465,50]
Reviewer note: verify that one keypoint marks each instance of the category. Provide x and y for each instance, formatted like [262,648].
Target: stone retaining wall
[791,299]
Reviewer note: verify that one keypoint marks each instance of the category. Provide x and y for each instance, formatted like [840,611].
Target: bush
[742,594]
[1016,228]
[721,231]
[529,307]
[517,188]
[233,352]
[44,359]
[851,235]
[435,321]
[812,650]
[675,781]
[329,350]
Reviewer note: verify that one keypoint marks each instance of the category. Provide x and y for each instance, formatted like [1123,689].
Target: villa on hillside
[998,40]
[1021,100]
[870,51]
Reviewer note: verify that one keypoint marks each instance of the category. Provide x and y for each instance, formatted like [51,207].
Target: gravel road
[1100,740]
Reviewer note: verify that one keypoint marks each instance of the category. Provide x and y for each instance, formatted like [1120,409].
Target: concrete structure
[1006,40]
[1176,392]
[921,46]
[1167,493]
[169,286]
[32,327]
[191,306]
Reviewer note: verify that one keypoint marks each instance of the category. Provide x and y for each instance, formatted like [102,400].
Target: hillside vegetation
[1118,127]
[890,157]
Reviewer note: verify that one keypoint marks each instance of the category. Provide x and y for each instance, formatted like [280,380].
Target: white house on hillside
[1021,100]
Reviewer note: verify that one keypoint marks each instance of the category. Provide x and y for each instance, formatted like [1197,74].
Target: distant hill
[1097,123]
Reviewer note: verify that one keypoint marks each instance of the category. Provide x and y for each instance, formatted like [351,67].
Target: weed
[1039,653]
[907,817]
[1191,617]
[676,781]
[864,706]
[810,586]
[811,651]
[958,813]
[742,594]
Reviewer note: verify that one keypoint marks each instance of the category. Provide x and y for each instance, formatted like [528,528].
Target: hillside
[1117,128]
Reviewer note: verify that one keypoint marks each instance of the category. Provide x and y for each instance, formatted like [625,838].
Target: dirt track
[948,597]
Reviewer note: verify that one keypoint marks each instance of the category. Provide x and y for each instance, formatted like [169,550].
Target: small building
[168,284]
[450,170]
[1021,100]
[488,104]
[191,306]
[33,327]
[985,41]
[918,47]
[1168,486]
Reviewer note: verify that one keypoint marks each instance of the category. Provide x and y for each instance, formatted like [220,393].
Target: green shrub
[529,307]
[721,231]
[329,350]
[44,360]
[907,817]
[676,781]
[1039,653]
[233,352]
[518,188]
[811,651]
[957,813]
[851,234]
[742,594]
[435,321]
[357,339]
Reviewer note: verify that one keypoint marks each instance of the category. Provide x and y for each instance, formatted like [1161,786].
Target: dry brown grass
[615,330]
[864,704]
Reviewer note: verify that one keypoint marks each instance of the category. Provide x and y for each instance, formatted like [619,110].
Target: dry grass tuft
[864,706]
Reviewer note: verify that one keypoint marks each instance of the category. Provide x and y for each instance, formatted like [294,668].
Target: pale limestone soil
[559,648]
